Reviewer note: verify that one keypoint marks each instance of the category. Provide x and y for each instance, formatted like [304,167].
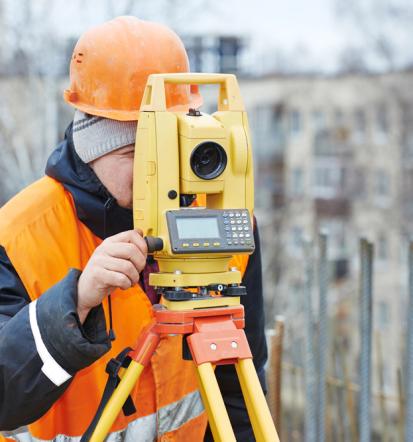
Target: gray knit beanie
[94,136]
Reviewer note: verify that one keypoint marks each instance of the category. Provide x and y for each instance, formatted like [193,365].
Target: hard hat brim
[195,101]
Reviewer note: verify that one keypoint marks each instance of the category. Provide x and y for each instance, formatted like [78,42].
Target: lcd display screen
[197,228]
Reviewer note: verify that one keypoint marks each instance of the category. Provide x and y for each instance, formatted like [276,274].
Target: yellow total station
[179,155]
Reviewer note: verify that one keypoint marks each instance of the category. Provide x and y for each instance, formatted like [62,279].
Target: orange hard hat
[111,64]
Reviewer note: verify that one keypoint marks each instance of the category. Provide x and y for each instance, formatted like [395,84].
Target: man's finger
[116,279]
[126,251]
[124,266]
[130,236]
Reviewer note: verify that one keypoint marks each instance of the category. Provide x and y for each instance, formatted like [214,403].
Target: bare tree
[28,84]
[382,29]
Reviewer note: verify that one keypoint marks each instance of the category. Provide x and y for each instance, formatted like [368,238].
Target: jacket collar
[95,206]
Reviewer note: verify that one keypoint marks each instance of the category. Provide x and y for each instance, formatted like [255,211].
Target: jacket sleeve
[254,329]
[42,345]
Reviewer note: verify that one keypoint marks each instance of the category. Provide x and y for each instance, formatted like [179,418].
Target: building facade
[334,154]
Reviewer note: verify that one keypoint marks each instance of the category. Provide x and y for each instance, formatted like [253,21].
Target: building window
[338,118]
[383,318]
[328,180]
[296,238]
[360,183]
[295,122]
[382,248]
[297,181]
[336,230]
[382,184]
[262,124]
[340,268]
[228,49]
[382,121]
[318,121]
[297,294]
[360,124]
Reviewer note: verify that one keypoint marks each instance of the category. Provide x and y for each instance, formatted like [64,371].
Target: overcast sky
[309,27]
[308,34]
[287,23]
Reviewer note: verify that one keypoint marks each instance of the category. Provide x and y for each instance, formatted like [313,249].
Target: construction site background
[333,148]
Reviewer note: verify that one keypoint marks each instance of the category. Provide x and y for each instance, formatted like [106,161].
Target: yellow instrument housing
[164,143]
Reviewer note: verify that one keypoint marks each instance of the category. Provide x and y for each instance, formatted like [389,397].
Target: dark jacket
[25,393]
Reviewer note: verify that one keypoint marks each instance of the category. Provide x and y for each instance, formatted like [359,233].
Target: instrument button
[206,244]
[217,244]
[185,244]
[195,244]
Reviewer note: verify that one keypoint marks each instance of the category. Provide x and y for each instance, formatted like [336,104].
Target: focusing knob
[153,243]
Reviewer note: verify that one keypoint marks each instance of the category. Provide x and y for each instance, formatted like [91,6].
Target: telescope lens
[208,160]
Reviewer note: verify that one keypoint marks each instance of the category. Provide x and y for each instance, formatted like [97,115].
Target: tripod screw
[213,346]
[234,344]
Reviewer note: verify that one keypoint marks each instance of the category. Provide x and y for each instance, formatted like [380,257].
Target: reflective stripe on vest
[143,429]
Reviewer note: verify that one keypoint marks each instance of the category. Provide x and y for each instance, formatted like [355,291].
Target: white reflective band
[144,429]
[20,434]
[50,367]
[173,416]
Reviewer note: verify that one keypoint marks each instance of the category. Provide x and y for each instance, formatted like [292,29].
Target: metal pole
[382,400]
[365,311]
[322,338]
[309,367]
[274,387]
[408,435]
[400,423]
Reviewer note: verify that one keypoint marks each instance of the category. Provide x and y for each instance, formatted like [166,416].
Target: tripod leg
[141,356]
[115,404]
[214,404]
[258,411]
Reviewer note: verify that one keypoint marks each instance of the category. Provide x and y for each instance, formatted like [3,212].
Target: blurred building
[214,52]
[336,154]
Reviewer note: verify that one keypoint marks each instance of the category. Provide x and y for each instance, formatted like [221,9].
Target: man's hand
[116,263]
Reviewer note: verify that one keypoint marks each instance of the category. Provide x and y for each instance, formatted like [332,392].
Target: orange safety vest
[43,238]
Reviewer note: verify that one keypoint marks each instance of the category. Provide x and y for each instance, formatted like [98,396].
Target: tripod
[216,336]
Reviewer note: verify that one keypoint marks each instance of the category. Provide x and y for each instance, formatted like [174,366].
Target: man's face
[115,171]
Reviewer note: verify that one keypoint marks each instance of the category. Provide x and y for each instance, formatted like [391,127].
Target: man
[67,241]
